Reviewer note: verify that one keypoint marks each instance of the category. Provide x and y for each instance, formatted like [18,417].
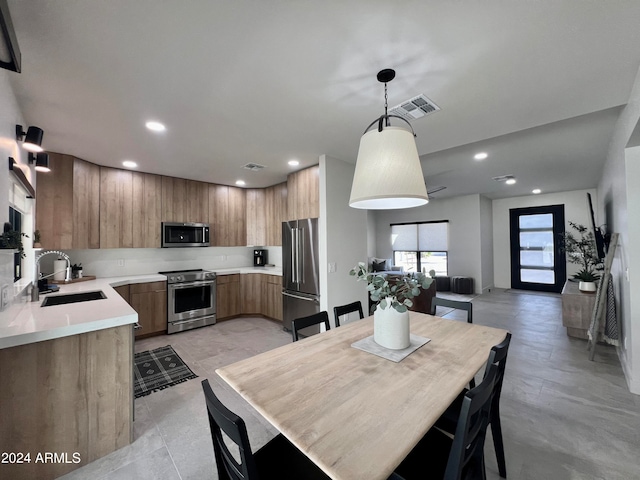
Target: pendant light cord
[386,98]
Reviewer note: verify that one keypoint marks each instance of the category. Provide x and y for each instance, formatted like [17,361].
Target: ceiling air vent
[416,107]
[503,178]
[254,167]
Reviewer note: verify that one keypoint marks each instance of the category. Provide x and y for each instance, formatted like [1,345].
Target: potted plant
[392,295]
[12,239]
[580,248]
[36,239]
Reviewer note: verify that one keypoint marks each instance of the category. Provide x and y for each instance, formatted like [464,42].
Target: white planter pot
[391,328]
[587,287]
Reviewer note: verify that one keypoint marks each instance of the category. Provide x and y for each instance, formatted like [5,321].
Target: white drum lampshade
[388,173]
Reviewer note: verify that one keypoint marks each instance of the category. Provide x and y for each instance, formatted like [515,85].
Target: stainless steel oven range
[191,299]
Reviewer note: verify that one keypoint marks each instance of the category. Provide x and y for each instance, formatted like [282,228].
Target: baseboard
[633,384]
[487,289]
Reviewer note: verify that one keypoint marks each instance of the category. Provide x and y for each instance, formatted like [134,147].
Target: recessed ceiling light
[155,126]
[294,163]
[240,182]
[129,164]
[536,191]
[510,181]
[480,156]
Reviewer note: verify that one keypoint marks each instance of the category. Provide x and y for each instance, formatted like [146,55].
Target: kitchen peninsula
[67,385]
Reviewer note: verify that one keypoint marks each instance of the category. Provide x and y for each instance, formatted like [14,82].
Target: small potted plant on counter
[580,248]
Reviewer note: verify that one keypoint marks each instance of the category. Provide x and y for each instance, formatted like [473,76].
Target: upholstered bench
[462,284]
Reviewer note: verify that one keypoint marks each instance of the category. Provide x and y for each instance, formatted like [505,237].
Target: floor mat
[158,369]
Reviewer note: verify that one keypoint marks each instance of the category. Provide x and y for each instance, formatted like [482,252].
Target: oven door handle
[179,286]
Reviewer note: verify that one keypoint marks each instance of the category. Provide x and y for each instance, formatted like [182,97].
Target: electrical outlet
[332,267]
[121,262]
[4,297]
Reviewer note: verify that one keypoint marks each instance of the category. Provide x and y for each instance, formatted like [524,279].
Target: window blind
[425,237]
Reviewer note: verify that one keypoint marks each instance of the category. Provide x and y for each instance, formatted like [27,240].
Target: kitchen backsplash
[140,261]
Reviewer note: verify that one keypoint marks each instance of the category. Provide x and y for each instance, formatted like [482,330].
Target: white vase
[587,287]
[391,328]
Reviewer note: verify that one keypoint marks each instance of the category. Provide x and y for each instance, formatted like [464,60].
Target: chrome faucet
[35,292]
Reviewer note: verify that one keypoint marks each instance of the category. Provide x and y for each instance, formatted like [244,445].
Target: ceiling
[536,85]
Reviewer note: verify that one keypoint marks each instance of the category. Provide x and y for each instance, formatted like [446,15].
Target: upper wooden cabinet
[275,212]
[67,204]
[116,208]
[256,221]
[227,216]
[147,210]
[184,200]
[303,194]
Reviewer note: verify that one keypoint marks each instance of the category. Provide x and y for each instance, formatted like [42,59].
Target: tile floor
[563,417]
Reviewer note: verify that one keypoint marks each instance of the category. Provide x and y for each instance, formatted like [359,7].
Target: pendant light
[388,173]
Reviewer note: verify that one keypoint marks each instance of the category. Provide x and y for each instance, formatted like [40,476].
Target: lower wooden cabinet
[150,301]
[272,297]
[227,296]
[261,295]
[251,286]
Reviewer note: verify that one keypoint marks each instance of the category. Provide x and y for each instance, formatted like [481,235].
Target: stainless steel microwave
[185,234]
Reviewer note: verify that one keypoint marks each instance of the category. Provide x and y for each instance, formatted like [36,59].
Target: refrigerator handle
[300,248]
[314,300]
[293,255]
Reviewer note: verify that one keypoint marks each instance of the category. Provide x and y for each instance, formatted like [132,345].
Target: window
[15,219]
[421,246]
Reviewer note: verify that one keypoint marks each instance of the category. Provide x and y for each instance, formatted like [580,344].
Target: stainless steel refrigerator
[300,274]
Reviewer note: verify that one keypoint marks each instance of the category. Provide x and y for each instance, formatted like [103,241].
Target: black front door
[537,259]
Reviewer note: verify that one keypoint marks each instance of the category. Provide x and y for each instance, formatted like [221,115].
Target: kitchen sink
[73,298]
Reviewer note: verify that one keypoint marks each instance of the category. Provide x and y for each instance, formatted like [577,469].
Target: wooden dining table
[354,414]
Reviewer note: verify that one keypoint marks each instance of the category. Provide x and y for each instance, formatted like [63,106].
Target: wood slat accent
[86,205]
[71,394]
[147,210]
[256,217]
[358,415]
[54,203]
[116,208]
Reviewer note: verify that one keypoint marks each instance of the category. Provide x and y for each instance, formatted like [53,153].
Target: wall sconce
[41,160]
[32,138]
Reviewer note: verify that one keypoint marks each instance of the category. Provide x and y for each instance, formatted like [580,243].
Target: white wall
[465,242]
[10,115]
[576,209]
[343,236]
[486,242]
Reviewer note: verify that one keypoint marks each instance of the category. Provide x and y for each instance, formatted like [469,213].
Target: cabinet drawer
[275,279]
[147,287]
[224,279]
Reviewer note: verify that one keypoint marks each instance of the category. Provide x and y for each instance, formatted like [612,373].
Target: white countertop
[263,270]
[29,322]
[25,323]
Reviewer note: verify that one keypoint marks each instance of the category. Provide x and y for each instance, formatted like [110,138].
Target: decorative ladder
[600,309]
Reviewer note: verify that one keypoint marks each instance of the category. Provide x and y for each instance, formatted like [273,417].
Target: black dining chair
[279,458]
[346,309]
[449,419]
[438,456]
[457,304]
[304,322]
